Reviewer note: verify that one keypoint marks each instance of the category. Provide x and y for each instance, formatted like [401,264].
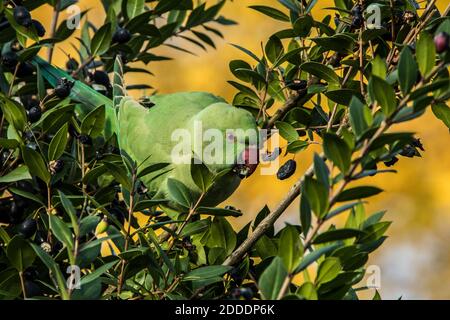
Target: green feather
[81,93]
[145,134]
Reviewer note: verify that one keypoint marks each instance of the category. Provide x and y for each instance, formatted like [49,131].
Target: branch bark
[268,221]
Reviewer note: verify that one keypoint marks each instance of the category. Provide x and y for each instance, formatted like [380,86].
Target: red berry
[441,41]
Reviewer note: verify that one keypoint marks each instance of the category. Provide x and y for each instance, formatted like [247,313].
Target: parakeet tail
[80,92]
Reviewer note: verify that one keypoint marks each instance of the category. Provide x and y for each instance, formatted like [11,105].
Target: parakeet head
[229,139]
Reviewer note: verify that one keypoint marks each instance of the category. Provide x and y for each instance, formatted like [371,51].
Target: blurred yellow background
[415,260]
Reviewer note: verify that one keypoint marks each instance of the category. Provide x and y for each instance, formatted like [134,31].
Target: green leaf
[28,195]
[58,143]
[287,131]
[305,214]
[61,230]
[134,8]
[297,146]
[290,248]
[308,291]
[272,278]
[19,173]
[360,116]
[337,151]
[425,53]
[328,270]
[222,235]
[321,71]
[101,40]
[14,113]
[274,49]
[9,143]
[97,273]
[321,170]
[218,212]
[40,84]
[152,168]
[442,112]
[341,96]
[36,164]
[379,68]
[315,255]
[201,175]
[70,210]
[20,254]
[302,26]
[195,227]
[206,272]
[358,193]
[54,268]
[119,173]
[338,234]
[381,92]
[271,12]
[179,193]
[317,195]
[407,70]
[94,123]
[246,51]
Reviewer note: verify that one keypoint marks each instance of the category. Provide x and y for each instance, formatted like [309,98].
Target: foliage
[69,197]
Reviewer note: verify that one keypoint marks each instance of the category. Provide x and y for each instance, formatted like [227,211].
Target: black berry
[102,78]
[86,140]
[246,293]
[15,213]
[357,10]
[32,289]
[441,41]
[31,103]
[391,162]
[32,146]
[72,64]
[287,170]
[409,151]
[31,273]
[28,228]
[62,90]
[40,237]
[34,114]
[22,16]
[121,36]
[40,30]
[10,60]
[297,84]
[357,21]
[25,70]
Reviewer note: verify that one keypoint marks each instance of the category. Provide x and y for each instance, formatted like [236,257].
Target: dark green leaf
[271,12]
[407,70]
[358,193]
[337,151]
[36,164]
[58,143]
[19,253]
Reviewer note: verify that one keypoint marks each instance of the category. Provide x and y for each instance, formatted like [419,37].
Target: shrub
[67,188]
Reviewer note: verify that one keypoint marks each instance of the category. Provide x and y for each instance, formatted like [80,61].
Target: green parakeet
[146,135]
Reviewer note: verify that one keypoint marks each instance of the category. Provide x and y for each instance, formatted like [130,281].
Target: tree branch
[268,221]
